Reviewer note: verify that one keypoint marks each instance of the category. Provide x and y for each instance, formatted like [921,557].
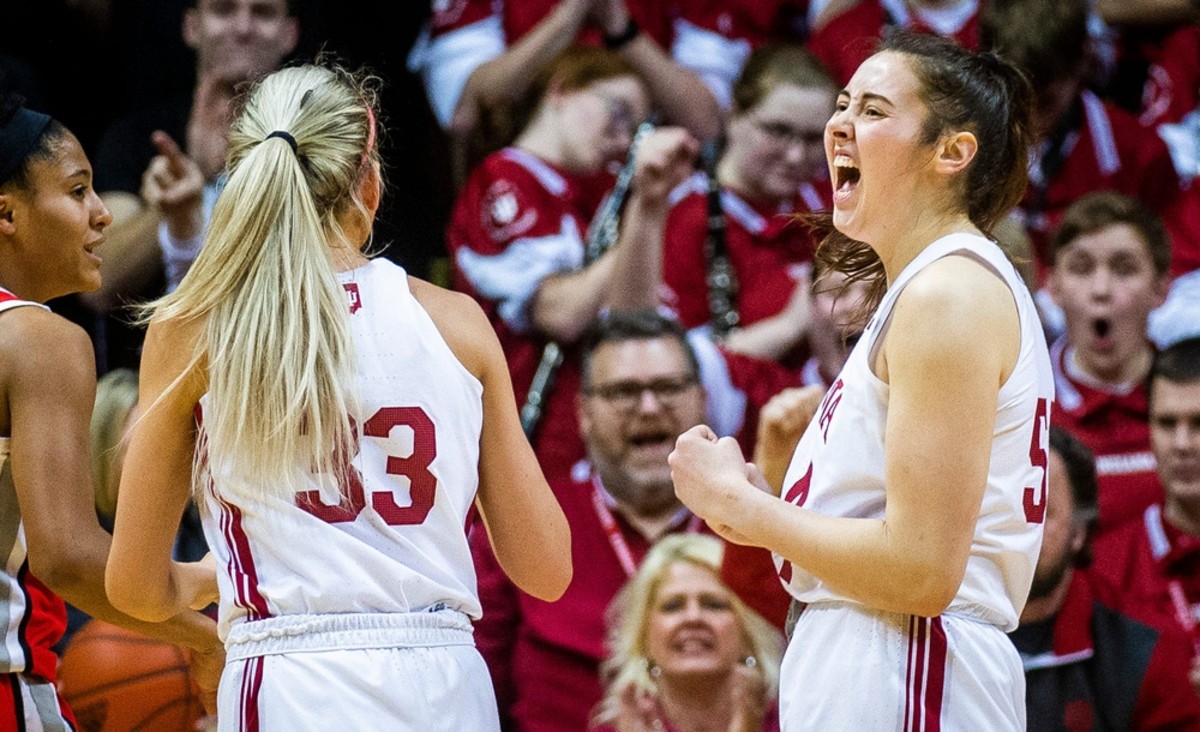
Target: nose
[1186,436]
[1101,283]
[649,401]
[838,127]
[101,217]
[243,21]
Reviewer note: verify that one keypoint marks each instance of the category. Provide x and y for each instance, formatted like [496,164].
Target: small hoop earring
[750,661]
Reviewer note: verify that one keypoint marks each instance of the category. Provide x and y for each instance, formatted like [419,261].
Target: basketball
[116,680]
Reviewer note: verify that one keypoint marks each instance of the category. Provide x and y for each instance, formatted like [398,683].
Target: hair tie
[17,138]
[284,136]
[991,60]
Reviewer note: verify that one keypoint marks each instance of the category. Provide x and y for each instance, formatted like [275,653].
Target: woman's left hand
[712,478]
[198,582]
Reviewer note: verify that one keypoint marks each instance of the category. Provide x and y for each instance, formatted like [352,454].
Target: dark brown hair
[774,64]
[976,92]
[1102,209]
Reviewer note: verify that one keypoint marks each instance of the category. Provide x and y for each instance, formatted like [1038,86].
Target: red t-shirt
[1115,425]
[851,37]
[1172,87]
[768,248]
[517,221]
[1141,560]
[1107,151]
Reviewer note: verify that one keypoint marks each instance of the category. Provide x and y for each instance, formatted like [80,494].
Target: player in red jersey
[51,222]
[1110,270]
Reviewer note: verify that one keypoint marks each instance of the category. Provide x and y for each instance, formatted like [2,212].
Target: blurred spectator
[1087,665]
[1110,270]
[772,168]
[477,55]
[1084,144]
[112,418]
[1156,561]
[157,168]
[687,654]
[849,38]
[641,389]
[517,232]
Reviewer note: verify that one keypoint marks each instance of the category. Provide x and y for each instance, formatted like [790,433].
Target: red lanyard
[1183,612]
[616,538]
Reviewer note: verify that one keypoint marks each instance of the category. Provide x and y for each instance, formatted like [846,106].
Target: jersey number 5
[415,467]
[1035,498]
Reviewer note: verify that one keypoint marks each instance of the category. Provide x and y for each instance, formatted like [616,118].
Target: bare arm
[953,338]
[525,524]
[505,78]
[680,94]
[51,387]
[770,338]
[627,275]
[142,579]
[1148,12]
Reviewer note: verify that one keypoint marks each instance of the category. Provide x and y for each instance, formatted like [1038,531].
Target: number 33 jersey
[396,543]
[838,466]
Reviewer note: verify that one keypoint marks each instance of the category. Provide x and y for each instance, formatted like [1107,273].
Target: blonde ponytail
[276,340]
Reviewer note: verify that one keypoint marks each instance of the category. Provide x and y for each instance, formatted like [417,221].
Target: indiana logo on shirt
[353,297]
[502,213]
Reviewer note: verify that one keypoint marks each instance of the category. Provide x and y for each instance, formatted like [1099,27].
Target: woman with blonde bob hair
[687,653]
[336,420]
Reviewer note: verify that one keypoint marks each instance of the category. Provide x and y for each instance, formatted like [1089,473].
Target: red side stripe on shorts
[926,675]
[12,704]
[251,684]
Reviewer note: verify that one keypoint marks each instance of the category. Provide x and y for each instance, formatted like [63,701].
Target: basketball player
[51,222]
[340,416]
[911,514]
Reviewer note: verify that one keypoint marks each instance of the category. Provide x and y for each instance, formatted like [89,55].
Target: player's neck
[1183,516]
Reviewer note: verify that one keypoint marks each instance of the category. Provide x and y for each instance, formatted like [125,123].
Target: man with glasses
[640,389]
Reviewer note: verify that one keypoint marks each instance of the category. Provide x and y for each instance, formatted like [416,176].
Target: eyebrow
[868,96]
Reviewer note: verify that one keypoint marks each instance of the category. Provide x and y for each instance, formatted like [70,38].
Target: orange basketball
[116,680]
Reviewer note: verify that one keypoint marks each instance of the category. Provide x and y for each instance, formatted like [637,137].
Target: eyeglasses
[620,113]
[626,395]
[783,134]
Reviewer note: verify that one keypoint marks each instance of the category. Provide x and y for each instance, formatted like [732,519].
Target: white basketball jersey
[838,466]
[399,545]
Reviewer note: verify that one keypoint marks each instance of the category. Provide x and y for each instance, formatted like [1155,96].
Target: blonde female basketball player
[338,419]
[911,513]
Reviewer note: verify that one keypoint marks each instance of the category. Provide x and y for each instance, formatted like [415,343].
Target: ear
[583,418]
[955,152]
[292,37]
[1079,535]
[191,30]
[370,189]
[1162,286]
[7,226]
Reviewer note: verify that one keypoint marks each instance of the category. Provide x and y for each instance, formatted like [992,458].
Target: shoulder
[171,350]
[954,288]
[32,338]
[462,324]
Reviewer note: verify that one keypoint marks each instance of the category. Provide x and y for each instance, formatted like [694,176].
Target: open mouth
[1101,327]
[846,174]
[653,438]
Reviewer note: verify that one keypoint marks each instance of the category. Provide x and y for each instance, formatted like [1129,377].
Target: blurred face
[55,225]
[692,629]
[640,396]
[596,124]
[237,40]
[1062,536]
[1175,438]
[873,146]
[778,144]
[832,331]
[1106,285]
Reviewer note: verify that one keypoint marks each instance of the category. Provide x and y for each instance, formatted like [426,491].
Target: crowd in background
[632,190]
